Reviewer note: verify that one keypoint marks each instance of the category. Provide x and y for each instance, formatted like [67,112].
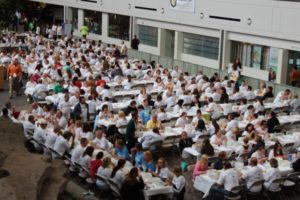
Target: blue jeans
[215,190]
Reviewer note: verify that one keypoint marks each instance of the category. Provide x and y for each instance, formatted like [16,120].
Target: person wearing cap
[14,73]
[39,135]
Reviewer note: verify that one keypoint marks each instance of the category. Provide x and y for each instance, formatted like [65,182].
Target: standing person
[54,31]
[135,43]
[14,73]
[130,131]
[294,75]
[84,30]
[123,49]
[81,110]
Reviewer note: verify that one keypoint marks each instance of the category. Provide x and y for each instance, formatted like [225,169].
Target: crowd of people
[72,87]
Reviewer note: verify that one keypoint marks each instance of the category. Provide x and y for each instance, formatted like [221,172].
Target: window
[93,20]
[199,45]
[148,35]
[255,56]
[118,26]
[74,18]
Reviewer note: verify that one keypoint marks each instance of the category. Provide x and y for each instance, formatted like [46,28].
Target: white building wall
[263,22]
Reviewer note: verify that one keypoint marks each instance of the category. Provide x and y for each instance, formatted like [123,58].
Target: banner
[182,5]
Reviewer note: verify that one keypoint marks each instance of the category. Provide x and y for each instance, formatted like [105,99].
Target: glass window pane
[74,18]
[93,20]
[199,45]
[148,35]
[118,26]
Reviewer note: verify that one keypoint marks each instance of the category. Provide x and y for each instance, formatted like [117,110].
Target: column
[162,41]
[105,25]
[178,45]
[282,70]
[80,18]
[226,52]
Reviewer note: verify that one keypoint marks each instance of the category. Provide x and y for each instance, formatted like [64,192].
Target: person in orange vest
[14,73]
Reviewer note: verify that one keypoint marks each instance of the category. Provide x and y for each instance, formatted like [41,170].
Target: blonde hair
[203,158]
[148,154]
[121,114]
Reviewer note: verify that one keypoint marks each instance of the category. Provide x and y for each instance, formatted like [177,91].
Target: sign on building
[182,5]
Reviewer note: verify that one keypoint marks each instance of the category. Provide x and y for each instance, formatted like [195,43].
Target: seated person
[272,174]
[201,166]
[260,154]
[296,163]
[154,123]
[148,164]
[207,148]
[218,138]
[222,158]
[162,171]
[253,175]
[178,183]
[227,181]
[120,150]
[276,151]
[149,138]
[185,141]
[272,122]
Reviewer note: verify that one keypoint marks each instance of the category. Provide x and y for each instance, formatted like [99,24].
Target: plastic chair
[256,195]
[236,193]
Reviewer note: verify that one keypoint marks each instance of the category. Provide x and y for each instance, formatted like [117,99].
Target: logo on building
[173,3]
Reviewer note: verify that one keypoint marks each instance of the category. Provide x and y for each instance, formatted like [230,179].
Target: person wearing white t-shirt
[232,123]
[272,174]
[213,108]
[229,179]
[86,157]
[100,141]
[260,154]
[253,175]
[249,94]
[162,171]
[29,127]
[39,135]
[61,145]
[182,120]
[78,151]
[61,121]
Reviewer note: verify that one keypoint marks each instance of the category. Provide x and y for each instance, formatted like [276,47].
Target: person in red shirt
[95,164]
[100,81]
[14,73]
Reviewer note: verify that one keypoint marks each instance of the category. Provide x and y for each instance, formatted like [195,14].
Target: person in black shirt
[272,122]
[269,93]
[133,185]
[131,108]
[207,148]
[135,43]
[185,141]
[296,164]
[224,96]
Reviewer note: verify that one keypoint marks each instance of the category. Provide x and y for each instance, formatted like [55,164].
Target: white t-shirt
[77,153]
[229,178]
[270,176]
[102,143]
[61,145]
[180,122]
[253,175]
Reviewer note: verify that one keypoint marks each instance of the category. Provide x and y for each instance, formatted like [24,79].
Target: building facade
[263,34]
